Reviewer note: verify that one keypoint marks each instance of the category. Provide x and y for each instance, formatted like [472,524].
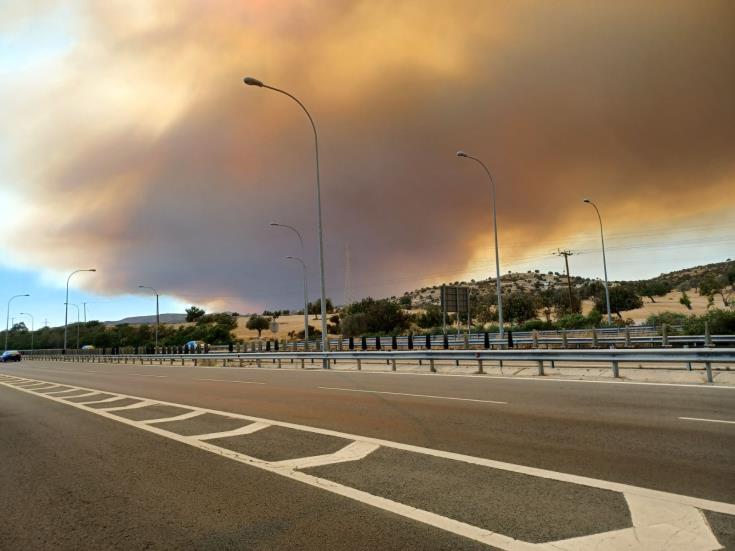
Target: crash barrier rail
[686,358]
[430,342]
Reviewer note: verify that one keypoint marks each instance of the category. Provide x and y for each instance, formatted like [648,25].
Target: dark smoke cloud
[629,103]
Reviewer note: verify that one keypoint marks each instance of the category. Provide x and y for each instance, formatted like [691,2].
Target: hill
[137,320]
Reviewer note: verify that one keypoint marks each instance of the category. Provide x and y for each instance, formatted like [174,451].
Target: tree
[717,285]
[405,301]
[653,288]
[380,316]
[519,307]
[315,307]
[432,317]
[194,313]
[622,298]
[258,323]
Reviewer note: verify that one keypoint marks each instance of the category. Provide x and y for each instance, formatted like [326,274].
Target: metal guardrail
[540,358]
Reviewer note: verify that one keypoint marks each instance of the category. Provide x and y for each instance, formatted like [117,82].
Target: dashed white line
[707,420]
[148,375]
[414,395]
[231,381]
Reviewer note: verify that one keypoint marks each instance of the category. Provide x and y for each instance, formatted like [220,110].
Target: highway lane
[626,433]
[73,481]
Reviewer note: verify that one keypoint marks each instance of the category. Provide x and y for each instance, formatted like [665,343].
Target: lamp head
[92,270]
[274,224]
[290,258]
[250,81]
[461,153]
[586,201]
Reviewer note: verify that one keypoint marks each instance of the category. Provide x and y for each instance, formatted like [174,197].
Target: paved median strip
[648,518]
[413,395]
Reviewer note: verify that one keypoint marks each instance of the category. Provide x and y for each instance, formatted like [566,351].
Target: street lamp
[66,303]
[78,320]
[306,302]
[158,317]
[604,262]
[298,234]
[250,81]
[33,325]
[7,318]
[498,284]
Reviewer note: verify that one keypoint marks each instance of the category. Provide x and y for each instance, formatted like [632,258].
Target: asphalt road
[78,481]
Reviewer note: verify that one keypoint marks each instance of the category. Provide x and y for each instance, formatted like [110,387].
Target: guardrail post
[615,370]
[359,364]
[339,344]
[664,335]
[432,368]
[351,343]
[594,337]
[564,342]
[393,364]
[486,342]
[257,362]
[279,363]
[445,342]
[410,341]
[394,343]
[708,368]
[534,338]
[707,335]
[377,343]
[510,342]
[480,369]
[540,367]
[627,336]
[363,343]
[302,363]
[428,342]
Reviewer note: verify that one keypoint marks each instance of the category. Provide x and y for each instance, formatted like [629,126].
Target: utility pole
[85,312]
[566,255]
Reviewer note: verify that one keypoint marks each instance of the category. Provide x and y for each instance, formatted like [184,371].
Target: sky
[130,144]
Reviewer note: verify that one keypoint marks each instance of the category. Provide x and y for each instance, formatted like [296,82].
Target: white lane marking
[230,381]
[707,420]
[60,392]
[657,525]
[407,394]
[82,395]
[113,399]
[351,452]
[247,429]
[182,417]
[699,503]
[148,375]
[140,404]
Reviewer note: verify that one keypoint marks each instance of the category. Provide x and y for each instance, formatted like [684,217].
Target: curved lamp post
[498,283]
[158,316]
[604,262]
[7,318]
[250,81]
[33,326]
[306,302]
[66,305]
